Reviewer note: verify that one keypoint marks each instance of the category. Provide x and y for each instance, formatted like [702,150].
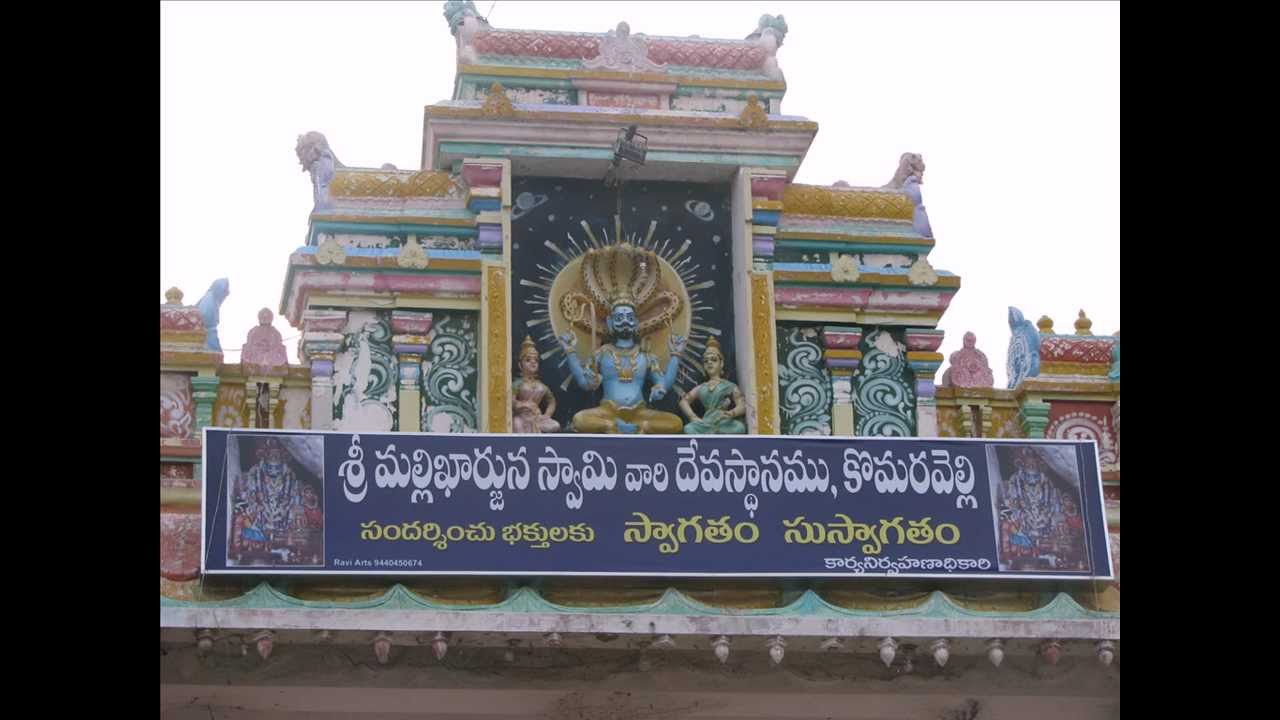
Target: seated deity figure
[722,402]
[274,497]
[621,368]
[528,393]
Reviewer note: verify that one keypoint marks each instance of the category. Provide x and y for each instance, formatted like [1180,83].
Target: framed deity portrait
[1038,508]
[275,501]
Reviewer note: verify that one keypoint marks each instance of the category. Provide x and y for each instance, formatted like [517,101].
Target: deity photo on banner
[275,501]
[1037,502]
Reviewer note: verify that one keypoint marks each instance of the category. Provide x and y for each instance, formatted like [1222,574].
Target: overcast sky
[1015,107]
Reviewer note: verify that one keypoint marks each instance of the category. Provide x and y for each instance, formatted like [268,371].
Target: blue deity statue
[620,367]
[209,305]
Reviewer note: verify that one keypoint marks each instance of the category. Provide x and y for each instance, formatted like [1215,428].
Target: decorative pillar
[924,360]
[495,351]
[842,357]
[762,397]
[1034,415]
[1115,422]
[489,196]
[204,390]
[410,343]
[321,337]
[987,416]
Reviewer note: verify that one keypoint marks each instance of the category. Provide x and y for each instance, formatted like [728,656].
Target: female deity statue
[527,394]
[721,400]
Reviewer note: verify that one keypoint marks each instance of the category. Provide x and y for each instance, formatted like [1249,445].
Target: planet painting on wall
[525,202]
[700,209]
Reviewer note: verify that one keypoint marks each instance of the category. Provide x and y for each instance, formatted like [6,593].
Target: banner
[300,502]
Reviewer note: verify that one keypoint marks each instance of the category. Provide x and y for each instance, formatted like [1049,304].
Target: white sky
[1015,107]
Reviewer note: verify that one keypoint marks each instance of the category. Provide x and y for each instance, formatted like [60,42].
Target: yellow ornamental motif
[412,255]
[753,116]
[496,103]
[922,273]
[391,183]
[859,203]
[331,252]
[844,268]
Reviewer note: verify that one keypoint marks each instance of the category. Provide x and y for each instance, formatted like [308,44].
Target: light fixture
[630,146]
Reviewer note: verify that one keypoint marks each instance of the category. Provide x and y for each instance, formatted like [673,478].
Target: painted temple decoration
[230,410]
[177,412]
[263,352]
[969,367]
[674,240]
[1085,421]
[1024,349]
[804,382]
[320,163]
[721,401]
[533,403]
[209,305]
[364,396]
[449,393]
[884,394]
[768,306]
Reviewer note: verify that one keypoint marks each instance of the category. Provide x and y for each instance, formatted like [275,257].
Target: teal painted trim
[860,283]
[851,247]
[672,602]
[527,61]
[433,253]
[511,81]
[399,270]
[387,229]
[699,90]
[554,151]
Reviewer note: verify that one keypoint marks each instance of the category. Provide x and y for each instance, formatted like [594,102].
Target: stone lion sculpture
[320,162]
[910,164]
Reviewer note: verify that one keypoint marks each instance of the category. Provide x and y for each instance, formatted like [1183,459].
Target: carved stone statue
[622,51]
[528,392]
[320,162]
[909,164]
[264,352]
[969,367]
[621,367]
[722,401]
[614,283]
[919,216]
[772,22]
[209,305]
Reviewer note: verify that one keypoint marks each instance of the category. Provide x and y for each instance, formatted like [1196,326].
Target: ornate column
[321,336]
[762,397]
[410,343]
[924,360]
[842,356]
[495,351]
[1034,415]
[204,390]
[766,211]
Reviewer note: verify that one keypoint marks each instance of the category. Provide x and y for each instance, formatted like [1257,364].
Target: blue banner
[299,502]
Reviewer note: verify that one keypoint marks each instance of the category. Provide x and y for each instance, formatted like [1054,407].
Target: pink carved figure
[264,349]
[969,367]
[528,393]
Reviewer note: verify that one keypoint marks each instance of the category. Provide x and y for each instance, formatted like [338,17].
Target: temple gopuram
[604,253]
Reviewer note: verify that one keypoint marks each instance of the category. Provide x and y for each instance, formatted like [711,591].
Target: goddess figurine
[527,394]
[721,399]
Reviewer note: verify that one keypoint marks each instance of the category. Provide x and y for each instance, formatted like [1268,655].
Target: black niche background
[551,209]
